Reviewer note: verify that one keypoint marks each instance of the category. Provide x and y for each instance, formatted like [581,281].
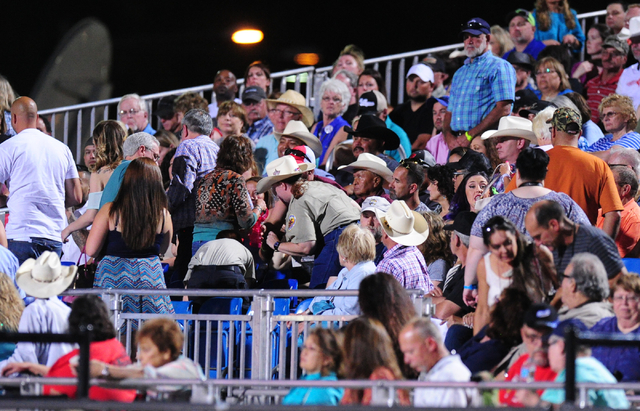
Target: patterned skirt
[135,273]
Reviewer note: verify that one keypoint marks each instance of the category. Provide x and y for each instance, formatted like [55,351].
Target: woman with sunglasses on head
[223,202]
[512,261]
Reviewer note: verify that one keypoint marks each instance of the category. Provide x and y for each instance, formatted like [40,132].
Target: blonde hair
[356,244]
[550,62]
[503,38]
[543,18]
[11,305]
[541,127]
[624,104]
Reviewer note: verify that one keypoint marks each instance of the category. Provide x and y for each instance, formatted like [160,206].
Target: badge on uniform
[291,221]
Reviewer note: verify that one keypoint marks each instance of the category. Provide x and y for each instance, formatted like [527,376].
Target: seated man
[533,365]
[402,231]
[584,290]
[372,136]
[588,369]
[423,349]
[629,233]
[369,174]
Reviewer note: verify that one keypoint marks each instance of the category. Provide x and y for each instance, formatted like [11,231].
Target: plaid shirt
[260,128]
[194,159]
[477,87]
[407,265]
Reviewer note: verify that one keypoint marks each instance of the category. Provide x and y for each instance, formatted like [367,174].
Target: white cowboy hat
[371,162]
[294,99]
[512,126]
[297,129]
[402,225]
[281,169]
[45,277]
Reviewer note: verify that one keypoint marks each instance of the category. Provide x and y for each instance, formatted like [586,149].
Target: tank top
[495,283]
[118,248]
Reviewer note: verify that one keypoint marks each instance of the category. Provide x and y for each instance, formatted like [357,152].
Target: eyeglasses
[626,298]
[413,160]
[336,100]
[296,153]
[131,111]
[156,156]
[610,114]
[285,113]
[473,25]
[545,71]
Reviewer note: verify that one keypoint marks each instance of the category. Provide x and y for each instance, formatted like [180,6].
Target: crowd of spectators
[504,189]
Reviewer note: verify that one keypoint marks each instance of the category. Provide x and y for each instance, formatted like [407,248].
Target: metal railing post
[570,352]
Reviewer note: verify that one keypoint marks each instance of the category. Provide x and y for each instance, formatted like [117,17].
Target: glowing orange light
[307,59]
[247,36]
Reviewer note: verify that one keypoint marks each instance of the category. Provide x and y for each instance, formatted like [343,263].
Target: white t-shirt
[448,369]
[35,167]
[629,84]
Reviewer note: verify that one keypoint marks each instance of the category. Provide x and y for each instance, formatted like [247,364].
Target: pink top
[438,148]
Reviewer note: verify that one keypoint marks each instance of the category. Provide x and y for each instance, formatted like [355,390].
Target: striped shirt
[629,140]
[477,87]
[407,265]
[597,90]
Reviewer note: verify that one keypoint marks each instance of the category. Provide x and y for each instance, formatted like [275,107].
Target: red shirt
[541,374]
[110,352]
[597,90]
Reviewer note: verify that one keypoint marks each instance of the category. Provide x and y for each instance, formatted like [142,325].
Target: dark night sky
[160,46]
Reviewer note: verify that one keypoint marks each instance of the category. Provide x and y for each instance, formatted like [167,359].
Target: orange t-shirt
[583,177]
[629,233]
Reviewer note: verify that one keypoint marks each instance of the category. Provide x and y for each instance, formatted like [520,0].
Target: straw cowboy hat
[371,162]
[281,169]
[402,225]
[297,129]
[45,277]
[512,126]
[293,99]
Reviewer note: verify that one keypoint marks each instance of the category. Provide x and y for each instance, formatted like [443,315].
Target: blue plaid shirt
[407,265]
[477,87]
[260,128]
[194,159]
[629,140]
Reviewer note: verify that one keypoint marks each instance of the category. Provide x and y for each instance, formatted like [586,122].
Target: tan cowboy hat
[297,129]
[402,225]
[512,126]
[281,169]
[45,277]
[371,162]
[294,99]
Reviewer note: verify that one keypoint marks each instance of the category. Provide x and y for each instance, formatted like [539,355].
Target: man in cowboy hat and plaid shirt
[402,231]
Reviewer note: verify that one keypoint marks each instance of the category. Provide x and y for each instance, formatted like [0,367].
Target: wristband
[276,246]
[471,287]
[469,136]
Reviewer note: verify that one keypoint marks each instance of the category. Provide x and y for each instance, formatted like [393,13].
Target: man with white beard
[482,90]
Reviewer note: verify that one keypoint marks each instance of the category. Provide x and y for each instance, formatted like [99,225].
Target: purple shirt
[438,148]
[407,265]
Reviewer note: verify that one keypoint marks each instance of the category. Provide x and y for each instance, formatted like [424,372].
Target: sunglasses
[296,153]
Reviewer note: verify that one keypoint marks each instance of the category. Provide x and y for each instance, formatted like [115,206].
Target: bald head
[24,114]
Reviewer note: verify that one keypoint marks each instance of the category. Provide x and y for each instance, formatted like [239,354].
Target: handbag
[86,272]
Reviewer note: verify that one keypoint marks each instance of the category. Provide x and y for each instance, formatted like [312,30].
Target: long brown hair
[108,137]
[140,203]
[543,17]
[236,154]
[436,246]
[367,346]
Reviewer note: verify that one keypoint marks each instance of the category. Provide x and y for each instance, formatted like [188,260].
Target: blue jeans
[327,263]
[24,250]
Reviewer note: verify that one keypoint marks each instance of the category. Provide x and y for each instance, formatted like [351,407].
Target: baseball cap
[424,155]
[462,223]
[541,315]
[375,203]
[165,107]
[558,331]
[302,154]
[253,93]
[423,71]
[435,62]
[476,26]
[522,13]
[536,107]
[524,98]
[614,42]
[567,120]
[444,100]
[371,102]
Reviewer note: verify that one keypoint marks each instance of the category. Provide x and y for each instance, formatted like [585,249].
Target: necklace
[531,183]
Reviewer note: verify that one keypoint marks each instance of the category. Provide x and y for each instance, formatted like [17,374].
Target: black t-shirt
[454,290]
[414,122]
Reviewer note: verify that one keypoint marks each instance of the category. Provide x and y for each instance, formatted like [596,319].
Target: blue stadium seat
[632,264]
